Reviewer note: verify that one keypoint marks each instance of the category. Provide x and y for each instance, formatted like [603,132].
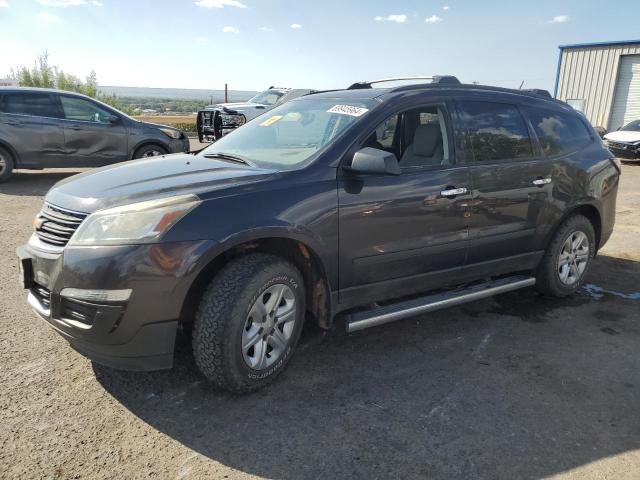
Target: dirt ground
[517,386]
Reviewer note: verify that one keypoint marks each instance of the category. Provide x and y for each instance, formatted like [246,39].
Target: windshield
[632,126]
[268,97]
[289,135]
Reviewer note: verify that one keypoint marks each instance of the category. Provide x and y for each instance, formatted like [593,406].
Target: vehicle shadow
[518,386]
[34,183]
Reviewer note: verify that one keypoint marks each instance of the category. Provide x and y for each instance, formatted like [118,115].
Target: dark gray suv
[365,205]
[42,128]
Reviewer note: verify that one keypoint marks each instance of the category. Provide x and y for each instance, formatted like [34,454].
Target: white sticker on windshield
[348,110]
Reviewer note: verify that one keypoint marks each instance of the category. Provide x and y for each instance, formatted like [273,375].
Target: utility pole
[226,94]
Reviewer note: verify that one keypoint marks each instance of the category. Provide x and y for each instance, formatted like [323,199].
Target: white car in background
[625,142]
[215,121]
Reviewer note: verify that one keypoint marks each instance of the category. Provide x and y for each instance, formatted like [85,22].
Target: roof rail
[538,91]
[435,79]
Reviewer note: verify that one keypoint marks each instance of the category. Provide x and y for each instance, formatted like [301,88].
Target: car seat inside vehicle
[425,135]
[426,148]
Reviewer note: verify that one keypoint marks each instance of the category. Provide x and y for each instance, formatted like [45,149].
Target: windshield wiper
[228,157]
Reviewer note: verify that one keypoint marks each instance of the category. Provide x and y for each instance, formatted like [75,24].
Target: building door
[626,97]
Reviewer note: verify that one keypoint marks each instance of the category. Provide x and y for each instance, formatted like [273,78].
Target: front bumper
[180,145]
[624,151]
[137,334]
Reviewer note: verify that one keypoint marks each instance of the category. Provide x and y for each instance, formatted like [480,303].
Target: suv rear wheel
[248,322]
[6,164]
[567,258]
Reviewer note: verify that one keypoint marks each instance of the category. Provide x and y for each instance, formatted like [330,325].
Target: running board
[389,313]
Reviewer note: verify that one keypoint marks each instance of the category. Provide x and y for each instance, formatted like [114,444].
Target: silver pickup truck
[215,121]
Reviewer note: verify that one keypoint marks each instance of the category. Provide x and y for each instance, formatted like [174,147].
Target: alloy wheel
[151,153]
[269,327]
[573,258]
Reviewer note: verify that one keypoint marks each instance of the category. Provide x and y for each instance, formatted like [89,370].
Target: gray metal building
[602,80]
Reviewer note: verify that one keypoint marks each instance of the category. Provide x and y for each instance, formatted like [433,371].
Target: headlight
[143,222]
[170,132]
[232,120]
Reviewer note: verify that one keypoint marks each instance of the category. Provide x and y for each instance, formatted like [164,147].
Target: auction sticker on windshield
[348,110]
[271,120]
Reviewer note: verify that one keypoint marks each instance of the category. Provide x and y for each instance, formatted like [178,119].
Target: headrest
[426,139]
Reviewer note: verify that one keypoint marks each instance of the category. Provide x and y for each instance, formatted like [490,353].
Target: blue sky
[251,44]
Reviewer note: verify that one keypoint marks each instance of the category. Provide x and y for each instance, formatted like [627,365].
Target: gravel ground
[516,386]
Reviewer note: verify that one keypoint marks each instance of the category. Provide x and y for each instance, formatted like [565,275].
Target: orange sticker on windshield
[271,120]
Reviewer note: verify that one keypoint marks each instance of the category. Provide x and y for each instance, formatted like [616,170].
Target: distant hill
[175,93]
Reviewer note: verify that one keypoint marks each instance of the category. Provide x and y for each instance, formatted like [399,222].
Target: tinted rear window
[495,131]
[558,132]
[24,103]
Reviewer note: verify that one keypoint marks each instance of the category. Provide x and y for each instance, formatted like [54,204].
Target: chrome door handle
[538,182]
[452,192]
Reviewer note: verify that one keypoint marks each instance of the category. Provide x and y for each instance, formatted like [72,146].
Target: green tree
[43,75]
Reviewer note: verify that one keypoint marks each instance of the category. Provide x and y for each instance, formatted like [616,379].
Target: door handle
[75,127]
[15,124]
[453,192]
[539,182]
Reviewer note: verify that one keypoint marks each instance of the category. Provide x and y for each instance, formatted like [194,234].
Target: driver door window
[417,137]
[79,109]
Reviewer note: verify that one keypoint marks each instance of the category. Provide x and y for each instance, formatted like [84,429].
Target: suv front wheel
[248,322]
[568,257]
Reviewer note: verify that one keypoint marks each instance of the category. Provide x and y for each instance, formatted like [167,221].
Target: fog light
[97,295]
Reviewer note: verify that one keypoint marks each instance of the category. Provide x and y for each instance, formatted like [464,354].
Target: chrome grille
[55,225]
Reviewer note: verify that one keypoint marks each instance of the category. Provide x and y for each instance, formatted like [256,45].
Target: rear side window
[558,132]
[34,104]
[494,131]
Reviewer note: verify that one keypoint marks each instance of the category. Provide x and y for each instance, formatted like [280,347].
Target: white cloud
[4,4]
[62,3]
[266,29]
[220,3]
[201,40]
[296,25]
[445,8]
[433,19]
[560,19]
[398,18]
[230,30]
[45,18]
[96,3]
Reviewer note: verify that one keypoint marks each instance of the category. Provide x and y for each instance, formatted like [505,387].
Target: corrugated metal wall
[590,73]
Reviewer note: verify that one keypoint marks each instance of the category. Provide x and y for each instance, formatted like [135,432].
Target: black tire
[548,278]
[223,318]
[150,151]
[7,164]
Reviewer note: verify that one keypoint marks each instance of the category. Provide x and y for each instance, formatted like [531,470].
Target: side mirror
[372,160]
[114,119]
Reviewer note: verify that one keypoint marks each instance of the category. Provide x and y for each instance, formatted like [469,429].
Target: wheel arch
[298,252]
[591,212]
[12,151]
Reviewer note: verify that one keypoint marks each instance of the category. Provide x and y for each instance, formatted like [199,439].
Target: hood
[238,106]
[249,110]
[147,179]
[625,136]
